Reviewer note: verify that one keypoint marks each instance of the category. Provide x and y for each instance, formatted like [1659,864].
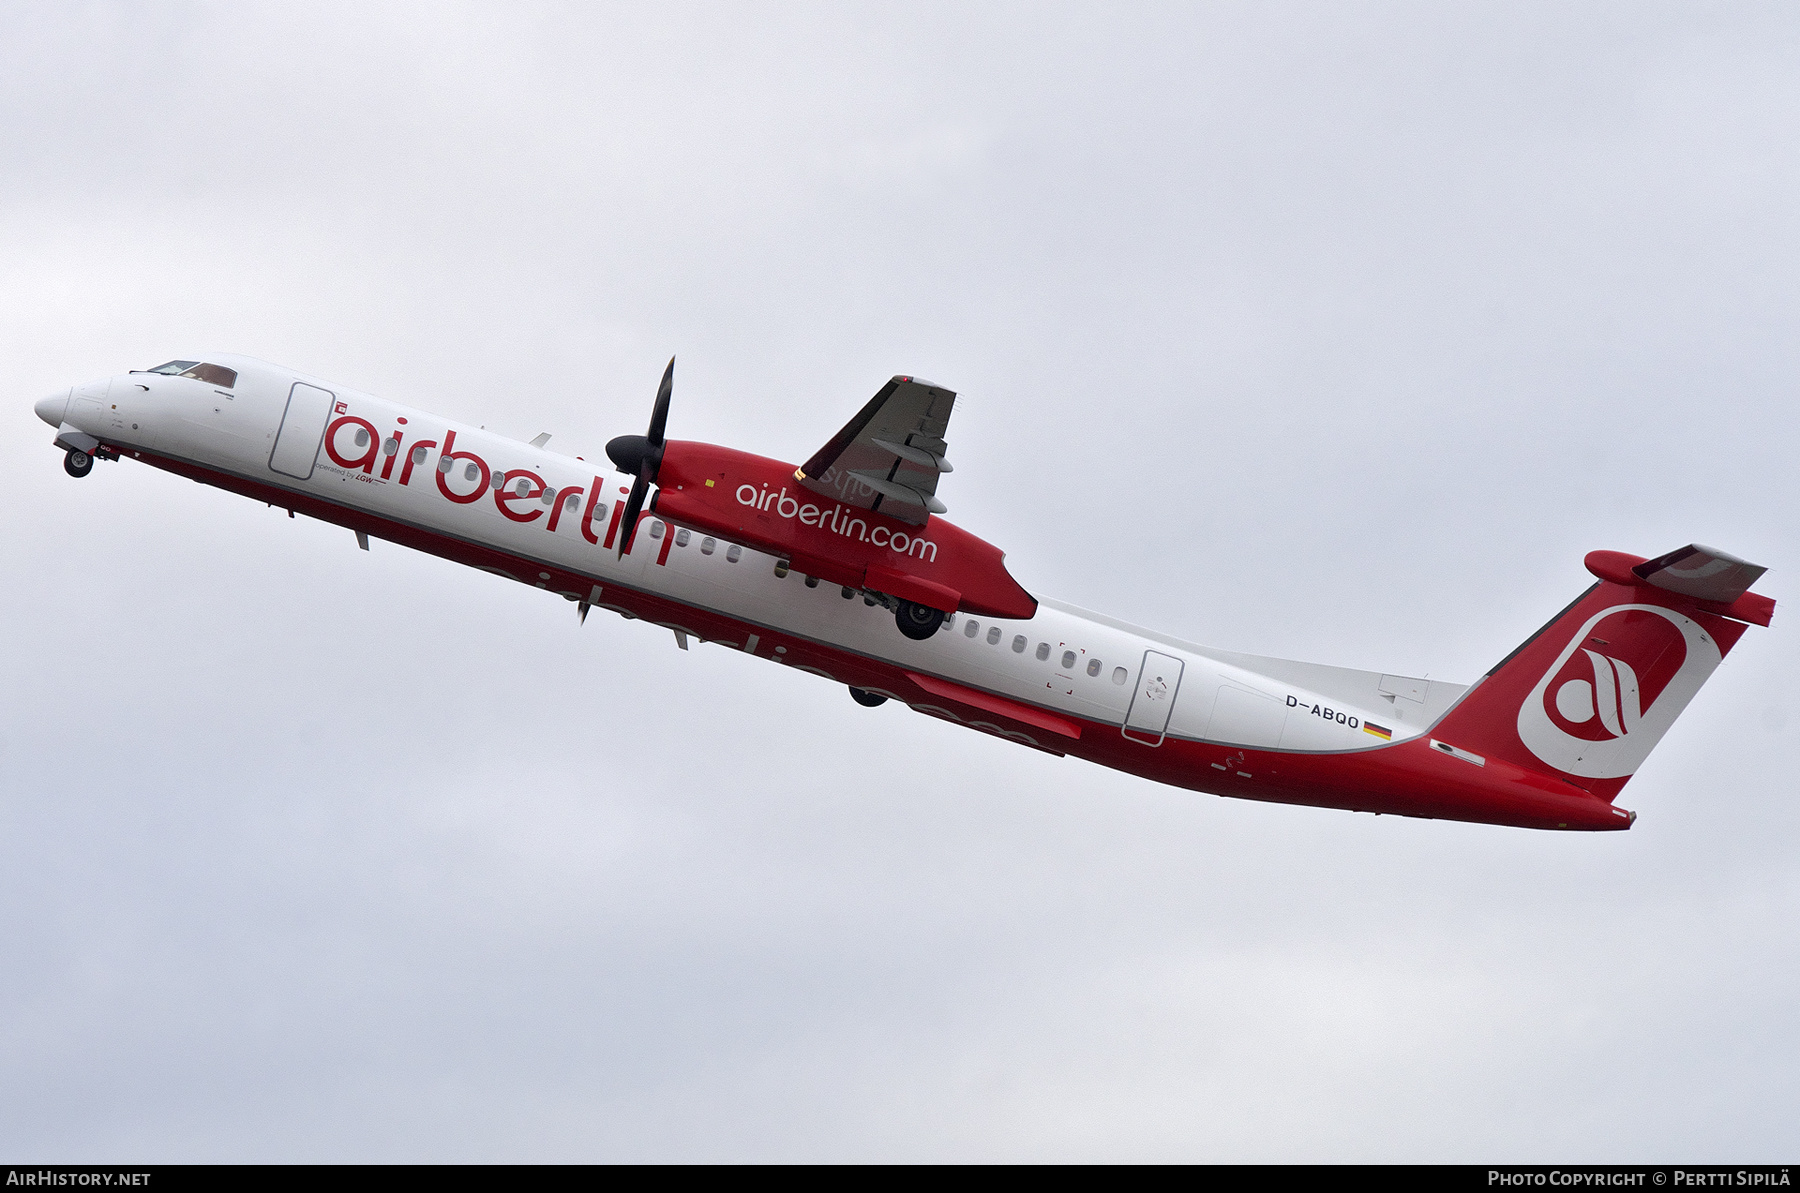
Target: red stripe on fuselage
[1405,779]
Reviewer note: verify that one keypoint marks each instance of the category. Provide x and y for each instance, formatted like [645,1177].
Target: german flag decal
[1378,731]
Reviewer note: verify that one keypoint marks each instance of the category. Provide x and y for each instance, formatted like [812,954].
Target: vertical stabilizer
[1587,697]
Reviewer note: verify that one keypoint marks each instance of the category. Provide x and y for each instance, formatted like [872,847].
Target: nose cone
[54,409]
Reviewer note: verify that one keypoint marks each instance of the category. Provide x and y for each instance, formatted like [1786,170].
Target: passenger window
[812,581]
[1068,659]
[681,537]
[972,629]
[1093,666]
[522,488]
[217,375]
[993,635]
[362,435]
[781,569]
[656,530]
[469,473]
[1018,644]
[575,500]
[707,545]
[733,553]
[418,455]
[1119,676]
[1043,651]
[390,447]
[849,593]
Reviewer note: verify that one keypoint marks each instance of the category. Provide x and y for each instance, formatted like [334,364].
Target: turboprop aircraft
[844,567]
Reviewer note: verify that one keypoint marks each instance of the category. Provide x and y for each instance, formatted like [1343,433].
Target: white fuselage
[1066,661]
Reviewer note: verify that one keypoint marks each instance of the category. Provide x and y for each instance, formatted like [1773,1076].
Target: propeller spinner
[641,455]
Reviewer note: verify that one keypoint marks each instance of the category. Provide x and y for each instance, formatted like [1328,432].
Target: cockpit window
[174,367]
[217,375]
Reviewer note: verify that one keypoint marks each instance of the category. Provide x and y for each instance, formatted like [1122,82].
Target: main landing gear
[917,621]
[78,463]
[867,699]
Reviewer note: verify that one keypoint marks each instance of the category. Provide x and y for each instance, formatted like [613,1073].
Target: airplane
[845,568]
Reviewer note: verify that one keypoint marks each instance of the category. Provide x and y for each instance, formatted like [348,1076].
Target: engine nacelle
[755,501]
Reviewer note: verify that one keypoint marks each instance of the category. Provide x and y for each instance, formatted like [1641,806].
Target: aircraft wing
[888,458]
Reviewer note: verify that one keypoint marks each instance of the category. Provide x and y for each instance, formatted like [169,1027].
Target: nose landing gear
[78,463]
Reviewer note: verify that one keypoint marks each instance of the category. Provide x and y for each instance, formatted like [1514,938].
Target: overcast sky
[1334,332]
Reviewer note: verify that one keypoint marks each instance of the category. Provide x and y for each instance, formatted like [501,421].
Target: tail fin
[1586,698]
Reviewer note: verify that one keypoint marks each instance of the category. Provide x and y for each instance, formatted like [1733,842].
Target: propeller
[641,455]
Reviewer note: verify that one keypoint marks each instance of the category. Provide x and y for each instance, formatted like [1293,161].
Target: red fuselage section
[758,502]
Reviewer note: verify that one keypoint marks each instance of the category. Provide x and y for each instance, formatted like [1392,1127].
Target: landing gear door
[1154,698]
[302,431]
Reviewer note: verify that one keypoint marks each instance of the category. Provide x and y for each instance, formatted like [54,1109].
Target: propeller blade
[641,455]
[633,505]
[659,414]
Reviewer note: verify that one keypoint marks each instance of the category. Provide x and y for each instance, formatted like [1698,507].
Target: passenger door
[302,430]
[1159,679]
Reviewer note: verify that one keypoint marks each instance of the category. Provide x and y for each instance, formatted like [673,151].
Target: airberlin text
[1330,714]
[836,520]
[358,452]
[520,494]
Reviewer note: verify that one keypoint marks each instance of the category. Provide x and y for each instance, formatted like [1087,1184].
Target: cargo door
[1243,716]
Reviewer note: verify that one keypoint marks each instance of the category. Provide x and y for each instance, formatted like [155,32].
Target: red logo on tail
[1615,690]
[1622,664]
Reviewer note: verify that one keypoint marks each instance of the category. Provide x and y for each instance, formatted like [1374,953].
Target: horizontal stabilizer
[1704,573]
[1707,580]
